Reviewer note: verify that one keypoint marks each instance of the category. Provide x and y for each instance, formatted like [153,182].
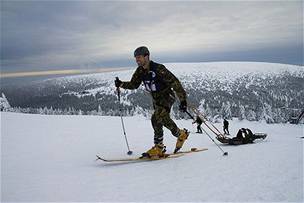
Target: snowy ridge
[217,72]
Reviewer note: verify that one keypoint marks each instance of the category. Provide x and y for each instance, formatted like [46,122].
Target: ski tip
[99,158]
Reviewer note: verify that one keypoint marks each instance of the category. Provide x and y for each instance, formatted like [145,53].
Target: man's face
[141,60]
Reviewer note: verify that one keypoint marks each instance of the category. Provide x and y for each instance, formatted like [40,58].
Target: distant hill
[248,90]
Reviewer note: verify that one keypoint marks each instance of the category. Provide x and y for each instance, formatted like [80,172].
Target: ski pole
[224,153]
[122,122]
[190,115]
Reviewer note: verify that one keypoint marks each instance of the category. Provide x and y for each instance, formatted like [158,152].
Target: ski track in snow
[51,158]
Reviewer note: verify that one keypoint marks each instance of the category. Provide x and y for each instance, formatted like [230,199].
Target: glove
[117,82]
[183,106]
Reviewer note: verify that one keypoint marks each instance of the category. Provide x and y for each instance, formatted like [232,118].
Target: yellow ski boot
[183,135]
[156,152]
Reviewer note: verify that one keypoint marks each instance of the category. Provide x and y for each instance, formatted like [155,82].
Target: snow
[52,158]
[218,74]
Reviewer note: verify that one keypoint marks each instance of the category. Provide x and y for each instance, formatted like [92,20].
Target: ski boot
[182,136]
[156,152]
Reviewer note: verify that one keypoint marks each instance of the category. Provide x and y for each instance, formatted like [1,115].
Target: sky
[58,35]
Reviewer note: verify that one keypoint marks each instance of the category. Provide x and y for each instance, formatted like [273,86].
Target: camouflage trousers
[160,118]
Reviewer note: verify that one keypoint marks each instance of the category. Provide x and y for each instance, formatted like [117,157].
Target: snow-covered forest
[246,90]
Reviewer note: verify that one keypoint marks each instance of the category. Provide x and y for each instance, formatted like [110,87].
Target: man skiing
[226,124]
[162,84]
[199,123]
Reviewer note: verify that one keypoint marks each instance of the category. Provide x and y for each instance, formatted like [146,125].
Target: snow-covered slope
[51,158]
[222,73]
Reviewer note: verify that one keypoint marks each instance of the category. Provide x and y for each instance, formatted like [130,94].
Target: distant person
[163,86]
[199,122]
[226,125]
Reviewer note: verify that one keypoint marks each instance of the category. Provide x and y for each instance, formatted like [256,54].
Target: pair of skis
[138,159]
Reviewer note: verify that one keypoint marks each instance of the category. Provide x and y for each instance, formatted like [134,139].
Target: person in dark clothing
[226,125]
[199,123]
[163,86]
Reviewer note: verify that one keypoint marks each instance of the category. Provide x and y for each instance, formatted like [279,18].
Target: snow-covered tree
[201,107]
[4,104]
[99,111]
[216,119]
[226,110]
[242,114]
[40,110]
[138,111]
[266,113]
[45,110]
[208,112]
[278,115]
[50,111]
[251,115]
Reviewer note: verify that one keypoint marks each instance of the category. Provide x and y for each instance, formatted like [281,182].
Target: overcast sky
[45,35]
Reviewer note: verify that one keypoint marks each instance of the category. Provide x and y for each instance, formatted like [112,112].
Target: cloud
[45,34]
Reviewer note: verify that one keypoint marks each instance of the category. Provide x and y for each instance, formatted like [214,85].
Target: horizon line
[105,69]
[58,72]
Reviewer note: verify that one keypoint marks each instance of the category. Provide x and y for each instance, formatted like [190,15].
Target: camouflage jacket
[159,81]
